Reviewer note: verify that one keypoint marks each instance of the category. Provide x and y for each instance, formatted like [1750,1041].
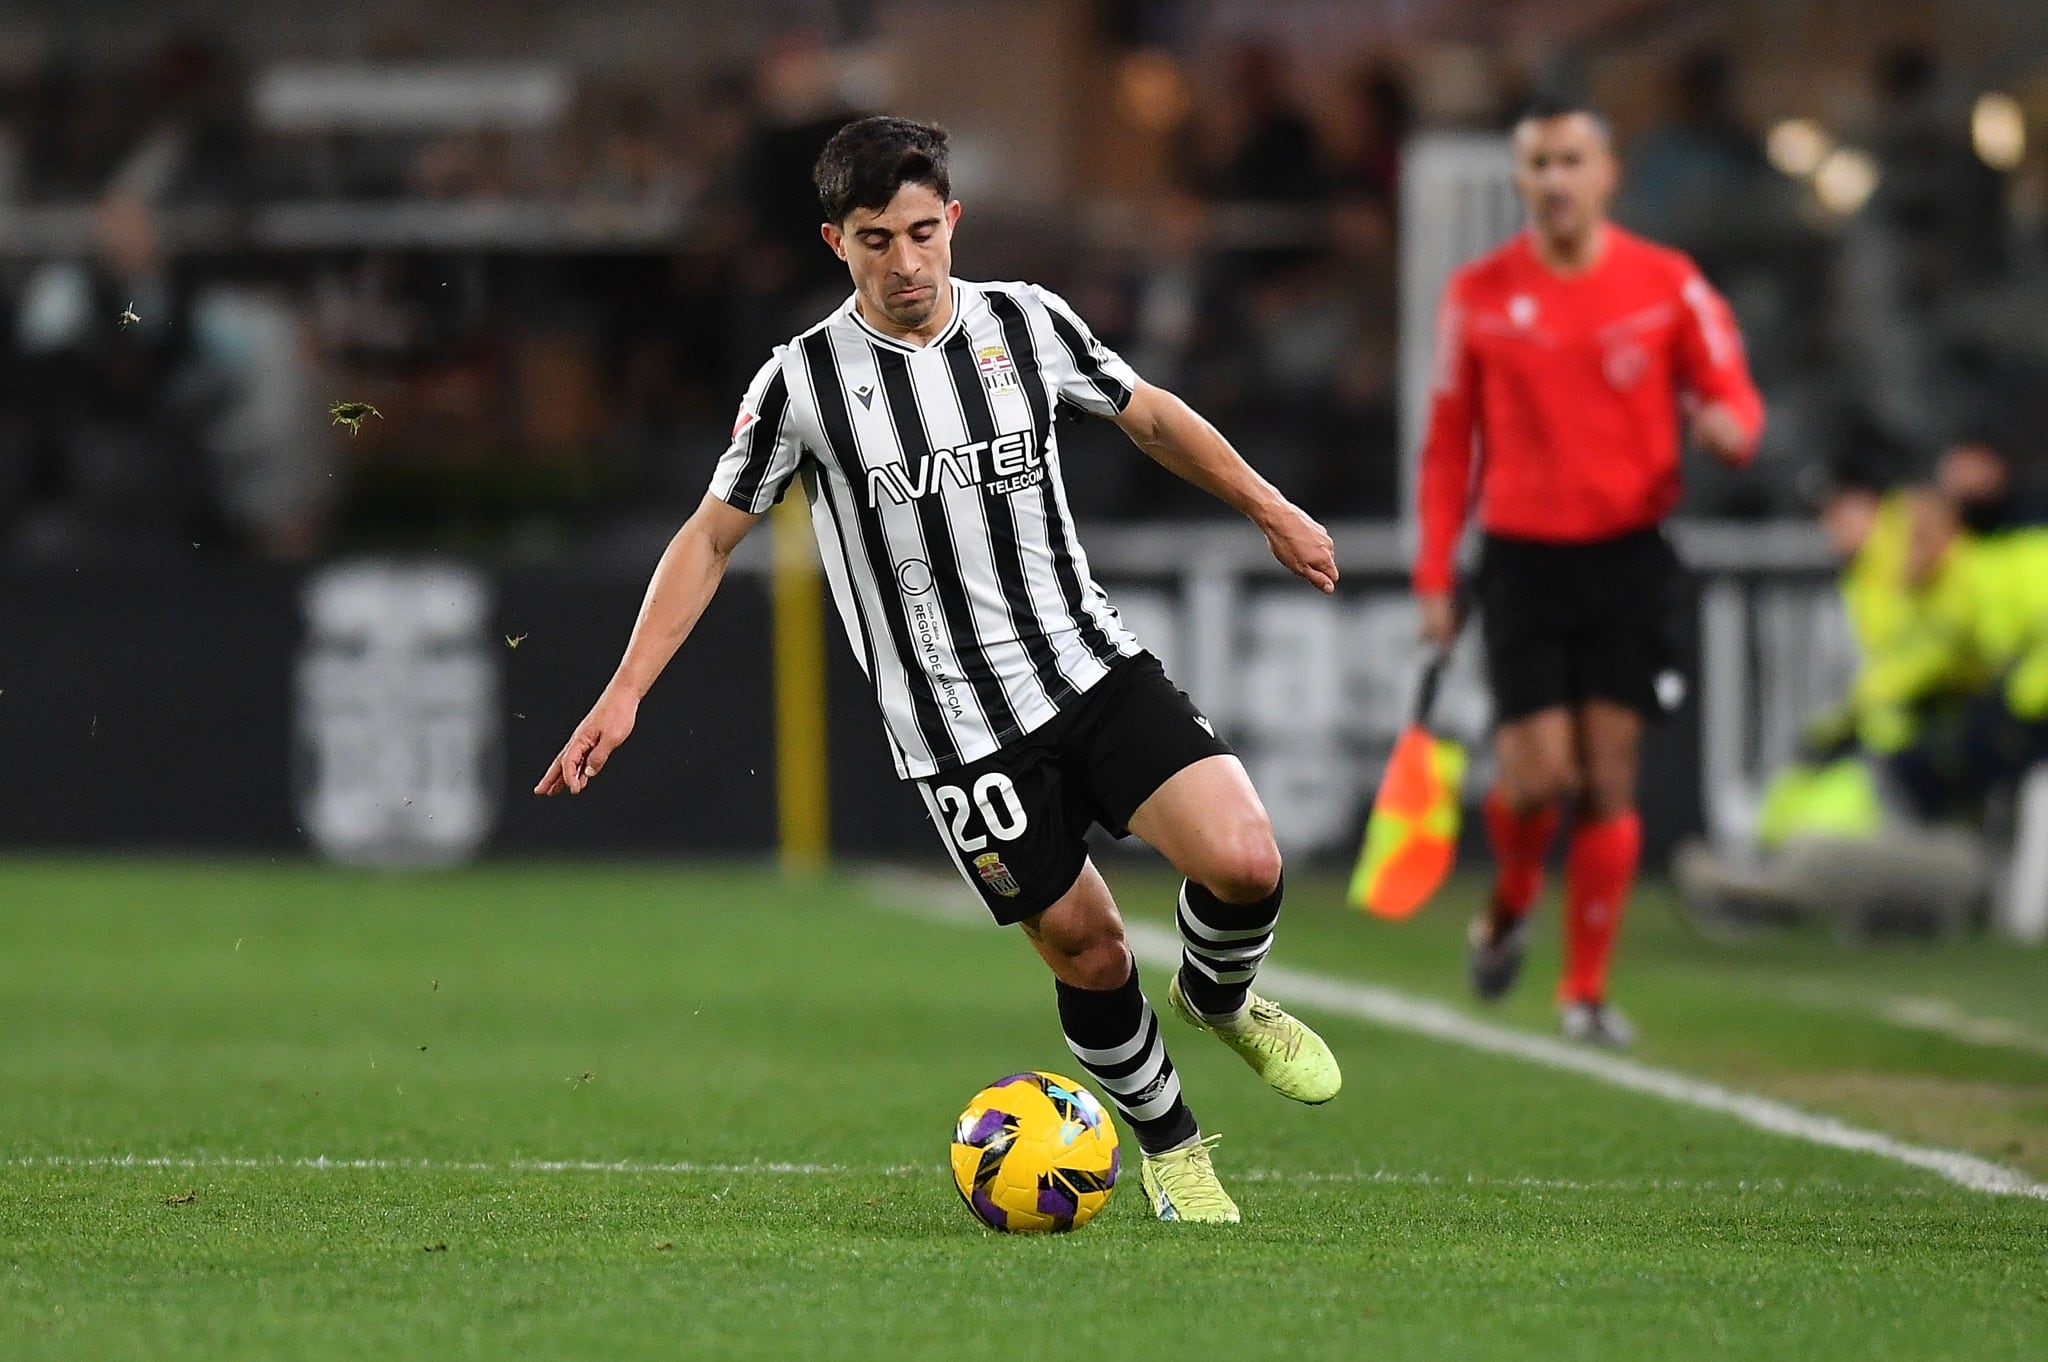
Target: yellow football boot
[1182,1185]
[1292,1059]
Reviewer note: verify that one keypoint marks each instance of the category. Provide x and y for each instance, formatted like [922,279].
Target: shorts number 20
[1001,812]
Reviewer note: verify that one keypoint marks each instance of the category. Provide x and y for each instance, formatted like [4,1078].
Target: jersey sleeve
[1710,364]
[1445,478]
[1086,372]
[756,467]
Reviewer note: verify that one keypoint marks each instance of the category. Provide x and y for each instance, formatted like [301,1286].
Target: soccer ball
[1034,1153]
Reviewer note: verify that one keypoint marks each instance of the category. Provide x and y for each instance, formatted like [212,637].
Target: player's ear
[834,238]
[952,215]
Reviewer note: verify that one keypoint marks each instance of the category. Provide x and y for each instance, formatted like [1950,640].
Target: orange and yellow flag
[1411,839]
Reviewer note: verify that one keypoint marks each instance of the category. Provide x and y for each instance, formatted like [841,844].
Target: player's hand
[1719,431]
[1439,618]
[1303,547]
[608,724]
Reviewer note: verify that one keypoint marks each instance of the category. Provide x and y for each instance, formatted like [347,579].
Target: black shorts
[1566,623]
[1016,822]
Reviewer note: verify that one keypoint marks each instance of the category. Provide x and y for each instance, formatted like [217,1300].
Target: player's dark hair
[868,160]
[1542,108]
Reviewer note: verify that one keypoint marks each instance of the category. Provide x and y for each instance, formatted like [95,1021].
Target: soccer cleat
[1596,1024]
[1182,1185]
[1495,956]
[1292,1059]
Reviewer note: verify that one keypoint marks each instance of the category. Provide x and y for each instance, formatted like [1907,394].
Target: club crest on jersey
[1625,364]
[1009,463]
[1522,310]
[996,875]
[998,374]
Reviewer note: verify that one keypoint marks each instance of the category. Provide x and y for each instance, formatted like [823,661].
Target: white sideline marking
[652,1168]
[1160,949]
[1944,1018]
[1937,1016]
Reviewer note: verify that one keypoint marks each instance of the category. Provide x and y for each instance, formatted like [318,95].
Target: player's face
[900,256]
[1566,173]
[1847,519]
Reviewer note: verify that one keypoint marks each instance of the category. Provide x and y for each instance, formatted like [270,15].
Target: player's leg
[1207,820]
[1108,1024]
[1537,774]
[1600,866]
[1526,607]
[1014,825]
[1624,666]
[1115,1036]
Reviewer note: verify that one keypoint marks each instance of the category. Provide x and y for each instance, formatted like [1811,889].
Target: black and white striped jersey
[933,477]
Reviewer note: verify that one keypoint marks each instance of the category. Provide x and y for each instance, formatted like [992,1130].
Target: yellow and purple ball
[1035,1153]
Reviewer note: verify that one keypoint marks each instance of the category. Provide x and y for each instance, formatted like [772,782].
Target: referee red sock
[1598,872]
[1520,842]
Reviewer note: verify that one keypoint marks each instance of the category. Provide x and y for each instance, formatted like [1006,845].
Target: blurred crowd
[555,311]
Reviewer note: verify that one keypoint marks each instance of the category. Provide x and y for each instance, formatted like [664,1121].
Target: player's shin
[1115,1035]
[1222,947]
[1600,869]
[1519,841]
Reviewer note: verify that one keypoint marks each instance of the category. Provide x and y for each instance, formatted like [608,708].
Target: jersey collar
[884,338]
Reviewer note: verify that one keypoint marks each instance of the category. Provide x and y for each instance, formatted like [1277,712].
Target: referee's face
[1565,172]
[900,257]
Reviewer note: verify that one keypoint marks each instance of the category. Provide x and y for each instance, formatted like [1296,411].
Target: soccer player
[918,417]
[1565,362]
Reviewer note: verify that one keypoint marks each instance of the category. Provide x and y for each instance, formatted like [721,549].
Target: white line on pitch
[324,1163]
[1160,948]
[188,1163]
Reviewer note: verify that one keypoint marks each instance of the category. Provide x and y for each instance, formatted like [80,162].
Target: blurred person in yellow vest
[1905,585]
[2001,604]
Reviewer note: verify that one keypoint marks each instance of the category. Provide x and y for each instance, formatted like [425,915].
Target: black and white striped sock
[1222,946]
[1115,1035]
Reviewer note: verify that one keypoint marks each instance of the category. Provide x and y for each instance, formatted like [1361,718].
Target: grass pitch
[586,1111]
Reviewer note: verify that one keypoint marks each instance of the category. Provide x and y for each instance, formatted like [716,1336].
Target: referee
[918,419]
[1566,361]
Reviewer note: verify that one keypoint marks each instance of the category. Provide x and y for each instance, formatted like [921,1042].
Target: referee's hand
[608,724]
[1303,547]
[1439,619]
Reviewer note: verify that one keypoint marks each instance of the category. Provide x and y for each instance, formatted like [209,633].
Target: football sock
[1520,841]
[1222,946]
[1599,869]
[1115,1035]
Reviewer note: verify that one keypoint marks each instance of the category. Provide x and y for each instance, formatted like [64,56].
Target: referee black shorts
[1567,623]
[1016,822]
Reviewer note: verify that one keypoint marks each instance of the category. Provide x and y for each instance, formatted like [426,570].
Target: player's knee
[1542,786]
[1607,799]
[1087,954]
[1103,962]
[1244,863]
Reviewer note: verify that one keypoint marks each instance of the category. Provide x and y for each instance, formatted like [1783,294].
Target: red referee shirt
[1573,385]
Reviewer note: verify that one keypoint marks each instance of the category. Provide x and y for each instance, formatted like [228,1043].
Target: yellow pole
[802,802]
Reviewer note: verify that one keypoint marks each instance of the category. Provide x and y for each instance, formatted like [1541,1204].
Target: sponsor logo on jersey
[1007,464]
[998,374]
[996,875]
[742,421]
[866,394]
[1522,310]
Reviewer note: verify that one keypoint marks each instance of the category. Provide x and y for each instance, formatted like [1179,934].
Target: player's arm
[1181,441]
[1727,411]
[1444,490]
[683,584]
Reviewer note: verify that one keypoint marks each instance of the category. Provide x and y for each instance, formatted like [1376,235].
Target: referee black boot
[1495,954]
